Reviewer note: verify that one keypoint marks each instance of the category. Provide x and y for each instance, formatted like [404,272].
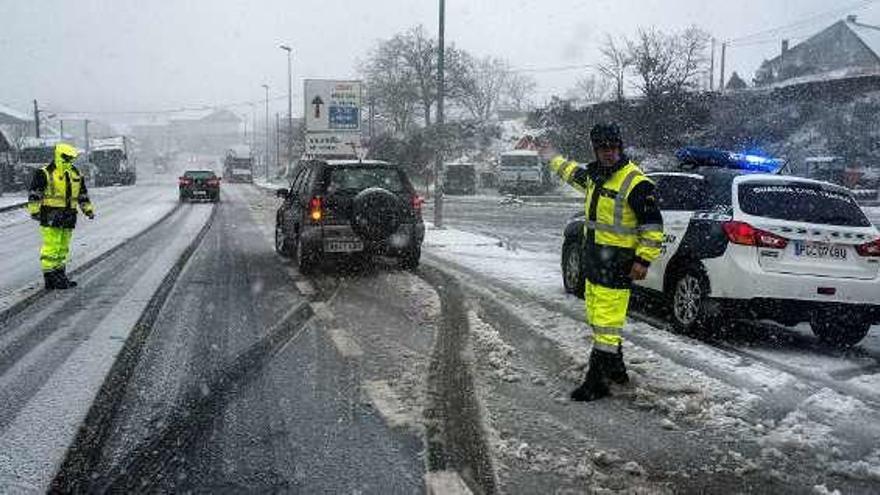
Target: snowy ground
[11,198]
[808,414]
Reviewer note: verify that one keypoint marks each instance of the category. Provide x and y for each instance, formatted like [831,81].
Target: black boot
[49,278]
[61,280]
[595,384]
[616,368]
[71,284]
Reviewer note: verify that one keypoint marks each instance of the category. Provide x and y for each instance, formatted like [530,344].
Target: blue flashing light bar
[709,157]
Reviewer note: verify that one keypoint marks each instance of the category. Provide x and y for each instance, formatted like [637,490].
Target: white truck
[522,172]
[112,162]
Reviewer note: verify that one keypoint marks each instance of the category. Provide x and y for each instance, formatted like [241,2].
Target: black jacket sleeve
[643,201]
[38,186]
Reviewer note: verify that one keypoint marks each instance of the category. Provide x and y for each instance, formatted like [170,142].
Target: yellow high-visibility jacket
[55,193]
[623,224]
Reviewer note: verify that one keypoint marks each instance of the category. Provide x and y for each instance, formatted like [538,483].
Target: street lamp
[266,87]
[289,51]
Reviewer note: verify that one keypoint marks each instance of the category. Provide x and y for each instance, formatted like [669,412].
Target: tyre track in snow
[57,354]
[776,404]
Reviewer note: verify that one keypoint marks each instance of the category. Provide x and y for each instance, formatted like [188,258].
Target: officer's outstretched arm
[571,172]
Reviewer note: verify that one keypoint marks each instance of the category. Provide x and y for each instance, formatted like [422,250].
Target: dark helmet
[606,135]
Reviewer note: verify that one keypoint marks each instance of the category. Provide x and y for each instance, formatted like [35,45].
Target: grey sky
[127,55]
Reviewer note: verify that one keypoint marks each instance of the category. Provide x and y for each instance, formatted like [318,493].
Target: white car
[758,246]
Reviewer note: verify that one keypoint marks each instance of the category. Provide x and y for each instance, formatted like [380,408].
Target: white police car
[744,243]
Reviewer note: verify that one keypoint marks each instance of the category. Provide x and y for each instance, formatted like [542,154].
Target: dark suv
[199,184]
[349,207]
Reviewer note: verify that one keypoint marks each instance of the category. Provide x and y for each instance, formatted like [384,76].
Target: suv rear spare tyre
[377,213]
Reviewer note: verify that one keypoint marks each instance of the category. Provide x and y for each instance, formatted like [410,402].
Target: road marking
[445,483]
[345,345]
[388,403]
[322,312]
[305,287]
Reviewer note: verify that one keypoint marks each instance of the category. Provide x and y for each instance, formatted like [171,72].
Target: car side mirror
[282,193]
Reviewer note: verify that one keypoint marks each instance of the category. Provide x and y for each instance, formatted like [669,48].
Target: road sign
[332,143]
[332,106]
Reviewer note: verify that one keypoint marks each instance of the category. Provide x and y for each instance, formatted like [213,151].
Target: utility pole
[723,60]
[86,135]
[372,110]
[277,141]
[266,87]
[36,119]
[61,129]
[438,164]
[289,51]
[712,68]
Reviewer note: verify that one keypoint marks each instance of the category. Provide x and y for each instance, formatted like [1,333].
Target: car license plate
[819,250]
[199,193]
[343,246]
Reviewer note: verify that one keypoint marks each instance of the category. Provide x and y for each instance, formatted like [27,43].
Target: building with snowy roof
[847,48]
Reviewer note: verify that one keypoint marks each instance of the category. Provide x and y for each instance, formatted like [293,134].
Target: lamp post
[289,51]
[438,164]
[266,87]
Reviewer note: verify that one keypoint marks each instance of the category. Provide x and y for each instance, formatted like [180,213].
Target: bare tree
[518,92]
[667,63]
[482,84]
[616,61]
[591,89]
[392,83]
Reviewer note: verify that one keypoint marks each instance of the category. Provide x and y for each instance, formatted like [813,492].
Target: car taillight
[417,202]
[316,213]
[869,249]
[746,235]
[212,182]
[184,182]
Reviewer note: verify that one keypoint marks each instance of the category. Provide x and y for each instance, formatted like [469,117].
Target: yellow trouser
[606,315]
[56,247]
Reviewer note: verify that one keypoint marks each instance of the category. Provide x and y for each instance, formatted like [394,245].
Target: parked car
[199,184]
[343,207]
[757,246]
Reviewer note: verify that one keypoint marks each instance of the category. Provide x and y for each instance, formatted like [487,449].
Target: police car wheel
[573,277]
[689,292]
[839,330]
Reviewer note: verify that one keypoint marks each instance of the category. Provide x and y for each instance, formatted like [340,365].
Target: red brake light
[869,249]
[746,235]
[417,202]
[213,182]
[183,181]
[316,213]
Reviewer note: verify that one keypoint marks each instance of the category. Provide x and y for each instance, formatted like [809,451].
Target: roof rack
[693,157]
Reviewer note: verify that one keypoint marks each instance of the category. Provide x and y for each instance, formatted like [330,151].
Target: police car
[743,241]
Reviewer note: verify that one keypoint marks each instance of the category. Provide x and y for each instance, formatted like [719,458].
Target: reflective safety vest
[611,222]
[58,199]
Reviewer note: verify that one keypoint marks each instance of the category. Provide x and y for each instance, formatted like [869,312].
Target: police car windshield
[801,202]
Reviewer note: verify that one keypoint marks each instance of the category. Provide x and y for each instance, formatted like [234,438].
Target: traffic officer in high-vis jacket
[623,233]
[56,191]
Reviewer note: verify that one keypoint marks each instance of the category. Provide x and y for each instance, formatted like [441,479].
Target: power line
[168,111]
[807,20]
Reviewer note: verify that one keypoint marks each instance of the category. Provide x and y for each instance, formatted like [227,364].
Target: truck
[33,154]
[112,161]
[459,178]
[522,172]
[239,165]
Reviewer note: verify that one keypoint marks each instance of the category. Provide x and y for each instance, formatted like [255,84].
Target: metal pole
[289,51]
[723,60]
[86,135]
[277,140]
[438,164]
[266,86]
[36,119]
[712,67]
[61,129]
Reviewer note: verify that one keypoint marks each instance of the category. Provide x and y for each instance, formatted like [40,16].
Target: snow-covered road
[121,213]
[807,413]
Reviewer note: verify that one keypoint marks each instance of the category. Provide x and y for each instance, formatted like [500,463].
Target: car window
[297,180]
[681,193]
[200,174]
[801,202]
[360,178]
[305,182]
